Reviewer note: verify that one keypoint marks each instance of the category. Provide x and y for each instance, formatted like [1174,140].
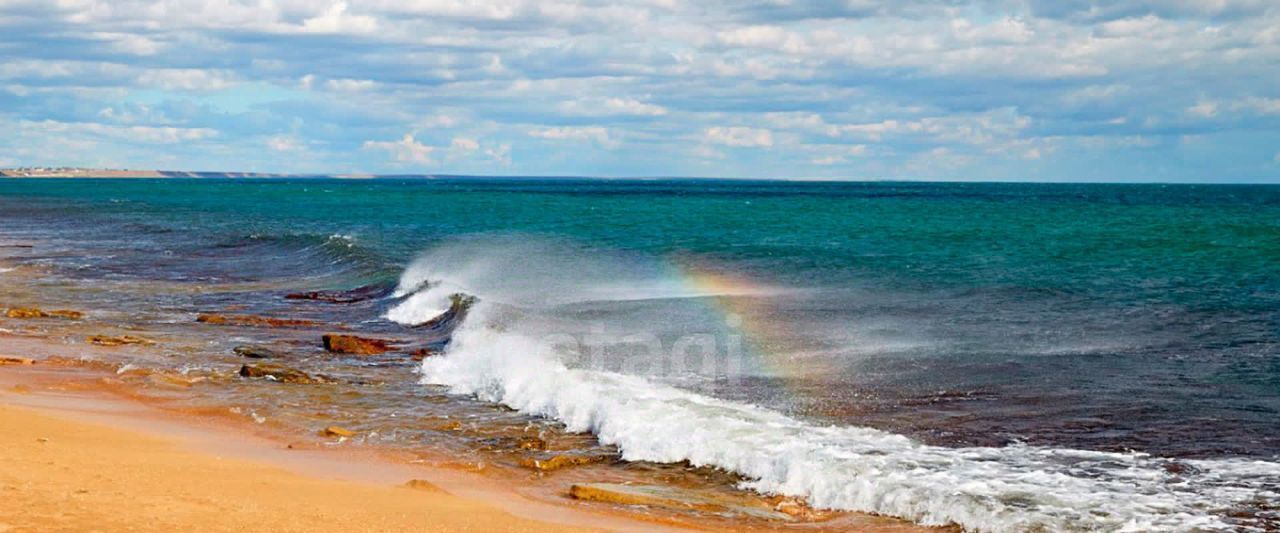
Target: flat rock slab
[351,344]
[120,340]
[31,312]
[279,373]
[253,321]
[673,498]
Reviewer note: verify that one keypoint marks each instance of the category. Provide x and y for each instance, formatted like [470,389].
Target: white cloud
[838,155]
[1266,106]
[442,120]
[1204,109]
[612,106]
[348,85]
[285,143]
[500,153]
[336,19]
[594,134]
[129,43]
[405,150]
[464,145]
[143,134]
[738,136]
[767,37]
[186,79]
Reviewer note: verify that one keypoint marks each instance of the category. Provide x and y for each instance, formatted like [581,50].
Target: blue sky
[1036,90]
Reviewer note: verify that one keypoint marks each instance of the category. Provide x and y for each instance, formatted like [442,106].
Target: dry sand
[77,460]
[67,475]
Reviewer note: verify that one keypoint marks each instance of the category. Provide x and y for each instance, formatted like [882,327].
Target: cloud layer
[1167,90]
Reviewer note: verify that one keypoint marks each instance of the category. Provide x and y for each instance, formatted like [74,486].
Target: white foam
[1014,488]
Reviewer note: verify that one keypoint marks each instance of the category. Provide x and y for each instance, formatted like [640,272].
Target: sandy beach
[72,465]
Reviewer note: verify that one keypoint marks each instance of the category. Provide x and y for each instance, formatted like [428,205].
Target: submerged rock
[557,462]
[674,498]
[337,431]
[422,352]
[423,485]
[358,294]
[172,380]
[459,304]
[31,312]
[279,373]
[256,352]
[119,340]
[253,320]
[351,344]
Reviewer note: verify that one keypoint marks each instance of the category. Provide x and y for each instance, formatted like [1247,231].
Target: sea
[999,356]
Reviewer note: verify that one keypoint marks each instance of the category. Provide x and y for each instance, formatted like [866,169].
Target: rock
[120,340]
[31,312]
[531,443]
[798,508]
[279,373]
[256,352]
[66,314]
[352,344]
[337,431]
[557,462]
[459,304]
[424,485]
[673,498]
[253,321]
[421,353]
[358,294]
[7,360]
[165,379]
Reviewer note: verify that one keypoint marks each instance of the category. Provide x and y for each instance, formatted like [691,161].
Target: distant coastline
[80,172]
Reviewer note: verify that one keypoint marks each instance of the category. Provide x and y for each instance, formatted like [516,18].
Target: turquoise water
[1111,318]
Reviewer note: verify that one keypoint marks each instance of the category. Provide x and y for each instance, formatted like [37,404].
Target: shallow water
[1000,356]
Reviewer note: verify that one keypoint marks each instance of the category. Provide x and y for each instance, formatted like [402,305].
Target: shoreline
[107,433]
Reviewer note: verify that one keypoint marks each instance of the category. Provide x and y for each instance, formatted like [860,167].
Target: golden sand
[66,475]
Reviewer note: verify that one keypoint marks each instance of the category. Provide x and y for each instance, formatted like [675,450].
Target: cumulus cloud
[139,134]
[596,134]
[405,150]
[612,106]
[285,143]
[346,85]
[336,19]
[739,136]
[185,79]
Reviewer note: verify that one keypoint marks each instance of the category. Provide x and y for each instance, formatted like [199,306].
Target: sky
[1028,90]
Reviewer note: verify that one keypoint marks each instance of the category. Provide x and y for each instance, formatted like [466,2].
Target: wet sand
[79,461]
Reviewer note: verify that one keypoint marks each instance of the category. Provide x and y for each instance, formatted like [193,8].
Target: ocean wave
[339,259]
[1014,488]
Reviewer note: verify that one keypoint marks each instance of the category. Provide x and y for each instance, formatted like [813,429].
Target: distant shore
[78,172]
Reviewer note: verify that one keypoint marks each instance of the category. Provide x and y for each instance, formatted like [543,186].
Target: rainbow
[745,309]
